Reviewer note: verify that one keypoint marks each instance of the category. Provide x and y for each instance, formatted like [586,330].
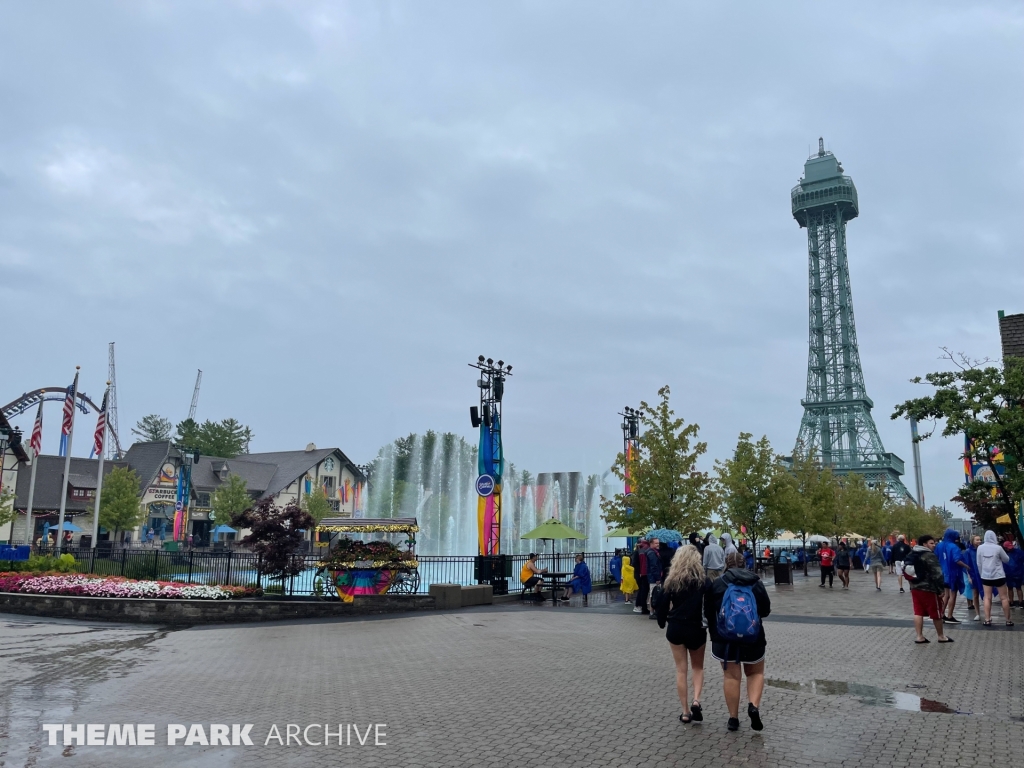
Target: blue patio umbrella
[69,526]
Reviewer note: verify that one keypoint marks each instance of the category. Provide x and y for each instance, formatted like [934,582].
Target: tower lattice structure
[837,427]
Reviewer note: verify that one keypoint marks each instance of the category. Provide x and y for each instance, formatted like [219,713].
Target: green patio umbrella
[553,530]
[616,532]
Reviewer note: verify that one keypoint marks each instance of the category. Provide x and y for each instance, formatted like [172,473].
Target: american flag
[35,443]
[101,429]
[69,416]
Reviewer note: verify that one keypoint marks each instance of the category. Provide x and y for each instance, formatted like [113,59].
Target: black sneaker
[755,718]
[901,590]
[734,724]
[951,620]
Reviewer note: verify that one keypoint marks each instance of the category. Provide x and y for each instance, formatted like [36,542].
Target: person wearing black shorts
[532,577]
[739,658]
[991,558]
[679,608]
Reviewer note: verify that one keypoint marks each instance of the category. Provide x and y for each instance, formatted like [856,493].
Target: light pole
[630,449]
[490,459]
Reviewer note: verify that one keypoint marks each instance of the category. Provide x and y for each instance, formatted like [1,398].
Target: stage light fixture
[481,358]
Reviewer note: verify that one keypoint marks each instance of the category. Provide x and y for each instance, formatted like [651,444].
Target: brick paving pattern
[513,685]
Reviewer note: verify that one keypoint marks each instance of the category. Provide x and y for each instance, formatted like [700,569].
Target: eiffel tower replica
[837,427]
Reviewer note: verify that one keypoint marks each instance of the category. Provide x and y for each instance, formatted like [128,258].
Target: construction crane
[195,396]
[113,447]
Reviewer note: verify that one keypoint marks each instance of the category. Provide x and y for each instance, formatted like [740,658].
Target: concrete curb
[193,612]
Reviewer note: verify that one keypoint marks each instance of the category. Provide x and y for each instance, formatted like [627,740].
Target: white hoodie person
[727,544]
[991,558]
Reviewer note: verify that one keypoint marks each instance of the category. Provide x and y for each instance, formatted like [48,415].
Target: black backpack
[912,561]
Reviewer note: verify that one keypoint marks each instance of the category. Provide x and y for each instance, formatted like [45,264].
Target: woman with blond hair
[680,606]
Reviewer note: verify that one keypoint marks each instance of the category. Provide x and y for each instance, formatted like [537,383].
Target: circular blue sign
[485,485]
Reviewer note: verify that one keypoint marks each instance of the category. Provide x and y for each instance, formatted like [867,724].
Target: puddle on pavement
[867,694]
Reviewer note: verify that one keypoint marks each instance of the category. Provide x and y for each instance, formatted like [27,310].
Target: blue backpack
[738,620]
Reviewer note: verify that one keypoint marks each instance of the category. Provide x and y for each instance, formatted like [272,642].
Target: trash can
[783,573]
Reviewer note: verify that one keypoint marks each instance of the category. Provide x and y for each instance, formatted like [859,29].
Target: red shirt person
[827,555]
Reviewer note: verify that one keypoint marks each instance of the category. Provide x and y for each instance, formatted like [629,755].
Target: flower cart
[352,566]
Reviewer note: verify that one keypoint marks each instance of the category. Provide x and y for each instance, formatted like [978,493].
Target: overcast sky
[332,208]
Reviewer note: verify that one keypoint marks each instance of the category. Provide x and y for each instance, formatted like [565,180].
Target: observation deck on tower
[824,185]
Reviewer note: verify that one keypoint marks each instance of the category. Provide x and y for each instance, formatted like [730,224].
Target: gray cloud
[332,208]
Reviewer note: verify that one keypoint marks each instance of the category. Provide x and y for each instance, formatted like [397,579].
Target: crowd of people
[709,586]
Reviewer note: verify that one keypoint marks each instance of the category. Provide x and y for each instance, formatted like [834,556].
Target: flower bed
[79,585]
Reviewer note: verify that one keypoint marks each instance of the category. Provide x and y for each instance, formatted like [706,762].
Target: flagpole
[67,466]
[29,528]
[31,494]
[99,472]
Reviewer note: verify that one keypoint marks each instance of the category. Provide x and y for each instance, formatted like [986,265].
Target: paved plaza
[512,685]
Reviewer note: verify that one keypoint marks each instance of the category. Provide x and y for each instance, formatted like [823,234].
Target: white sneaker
[977,618]
[638,609]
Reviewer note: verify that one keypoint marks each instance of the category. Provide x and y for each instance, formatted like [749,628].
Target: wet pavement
[520,685]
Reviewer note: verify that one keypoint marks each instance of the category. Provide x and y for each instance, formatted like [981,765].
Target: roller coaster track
[30,399]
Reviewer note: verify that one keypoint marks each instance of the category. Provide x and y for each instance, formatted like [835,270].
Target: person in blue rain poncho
[1014,570]
[580,581]
[862,553]
[615,567]
[954,566]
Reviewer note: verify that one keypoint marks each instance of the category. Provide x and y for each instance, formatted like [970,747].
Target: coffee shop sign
[162,494]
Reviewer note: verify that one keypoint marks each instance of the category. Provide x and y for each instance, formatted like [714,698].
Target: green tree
[7,513]
[668,489]
[189,435]
[906,517]
[230,500]
[809,497]
[755,489]
[316,504]
[986,404]
[120,507]
[224,439]
[153,428]
[858,508]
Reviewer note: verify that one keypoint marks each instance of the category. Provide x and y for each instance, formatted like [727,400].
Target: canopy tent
[222,529]
[817,538]
[736,536]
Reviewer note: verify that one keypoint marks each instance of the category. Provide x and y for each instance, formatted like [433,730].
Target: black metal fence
[242,567]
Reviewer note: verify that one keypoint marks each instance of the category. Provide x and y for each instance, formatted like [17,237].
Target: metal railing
[242,567]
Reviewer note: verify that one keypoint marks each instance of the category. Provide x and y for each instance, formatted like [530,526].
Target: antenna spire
[821,146]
